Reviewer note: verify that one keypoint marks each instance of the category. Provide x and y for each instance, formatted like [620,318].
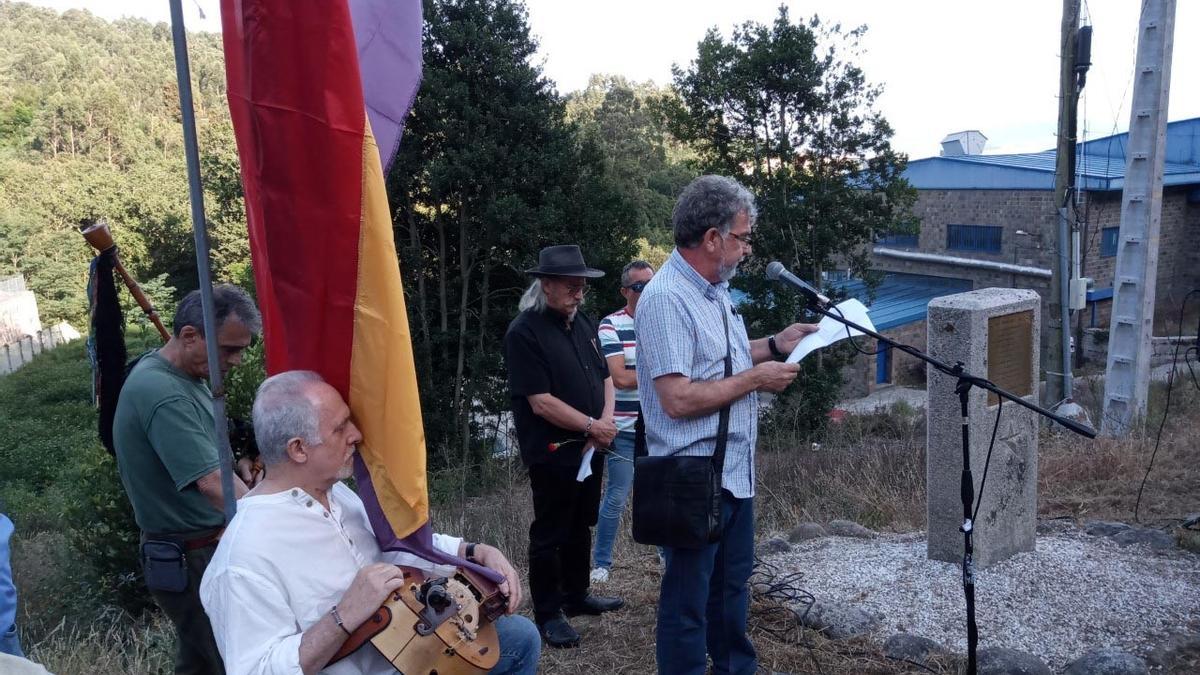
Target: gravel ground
[1074,594]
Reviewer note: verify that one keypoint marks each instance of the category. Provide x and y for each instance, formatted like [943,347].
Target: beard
[727,272]
[347,469]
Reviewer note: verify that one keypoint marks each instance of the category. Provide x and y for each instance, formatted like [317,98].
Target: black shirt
[546,355]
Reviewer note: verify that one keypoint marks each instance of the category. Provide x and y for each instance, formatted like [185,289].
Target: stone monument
[994,333]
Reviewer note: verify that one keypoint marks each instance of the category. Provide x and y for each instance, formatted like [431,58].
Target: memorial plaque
[1010,353]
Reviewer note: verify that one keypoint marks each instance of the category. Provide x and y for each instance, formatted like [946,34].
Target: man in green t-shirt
[166,449]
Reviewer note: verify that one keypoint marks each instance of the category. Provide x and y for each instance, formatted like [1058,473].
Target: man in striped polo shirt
[619,344]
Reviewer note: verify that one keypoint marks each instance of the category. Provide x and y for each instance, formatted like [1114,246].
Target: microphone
[778,273]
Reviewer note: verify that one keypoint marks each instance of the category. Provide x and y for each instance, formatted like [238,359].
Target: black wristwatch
[470,553]
[779,356]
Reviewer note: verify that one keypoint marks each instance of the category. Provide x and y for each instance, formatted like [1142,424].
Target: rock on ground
[1104,528]
[773,546]
[1155,539]
[837,621]
[914,648]
[806,531]
[846,528]
[1107,661]
[1005,661]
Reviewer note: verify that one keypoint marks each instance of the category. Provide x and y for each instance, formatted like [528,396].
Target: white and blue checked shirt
[680,330]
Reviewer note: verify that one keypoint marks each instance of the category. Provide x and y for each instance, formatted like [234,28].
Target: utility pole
[1127,376]
[1056,345]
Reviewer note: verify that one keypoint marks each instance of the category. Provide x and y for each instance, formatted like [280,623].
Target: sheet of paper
[830,330]
[585,467]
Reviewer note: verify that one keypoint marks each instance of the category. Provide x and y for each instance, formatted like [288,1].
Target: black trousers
[560,537]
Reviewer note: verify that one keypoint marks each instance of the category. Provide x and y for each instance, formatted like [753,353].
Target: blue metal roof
[1101,164]
[899,299]
[902,298]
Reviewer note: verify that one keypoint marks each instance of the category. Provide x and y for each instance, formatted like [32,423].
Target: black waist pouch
[164,565]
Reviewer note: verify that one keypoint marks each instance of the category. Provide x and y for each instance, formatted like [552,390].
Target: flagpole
[200,232]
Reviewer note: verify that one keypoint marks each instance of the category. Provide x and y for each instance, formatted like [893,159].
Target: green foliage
[89,128]
[104,532]
[779,107]
[647,165]
[242,382]
[488,173]
[58,479]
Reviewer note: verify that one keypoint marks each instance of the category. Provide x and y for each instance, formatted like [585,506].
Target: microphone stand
[965,381]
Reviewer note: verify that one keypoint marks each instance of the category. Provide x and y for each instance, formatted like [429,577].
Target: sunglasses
[637,286]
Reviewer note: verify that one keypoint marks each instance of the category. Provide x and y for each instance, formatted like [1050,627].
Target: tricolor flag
[325,264]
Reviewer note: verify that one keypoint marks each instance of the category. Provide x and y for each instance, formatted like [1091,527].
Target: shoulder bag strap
[723,421]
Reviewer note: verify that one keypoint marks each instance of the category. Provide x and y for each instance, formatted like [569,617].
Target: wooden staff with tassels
[100,238]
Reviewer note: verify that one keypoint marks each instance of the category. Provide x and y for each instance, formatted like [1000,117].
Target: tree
[781,108]
[647,164]
[89,128]
[488,172]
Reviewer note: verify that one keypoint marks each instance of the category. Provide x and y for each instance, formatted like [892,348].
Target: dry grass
[1099,479]
[869,469]
[108,646]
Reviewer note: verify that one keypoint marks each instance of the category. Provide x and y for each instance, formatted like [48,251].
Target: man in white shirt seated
[299,569]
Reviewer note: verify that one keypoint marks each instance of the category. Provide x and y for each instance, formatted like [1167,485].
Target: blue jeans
[616,491]
[704,600]
[520,646]
[9,644]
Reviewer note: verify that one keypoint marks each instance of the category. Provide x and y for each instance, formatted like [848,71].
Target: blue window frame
[1108,241]
[883,366]
[909,240]
[982,238]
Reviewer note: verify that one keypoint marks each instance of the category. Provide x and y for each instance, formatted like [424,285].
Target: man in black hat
[563,400]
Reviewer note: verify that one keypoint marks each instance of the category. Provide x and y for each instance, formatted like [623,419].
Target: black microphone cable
[1167,407]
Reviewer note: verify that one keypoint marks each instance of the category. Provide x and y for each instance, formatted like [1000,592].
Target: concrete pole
[1127,376]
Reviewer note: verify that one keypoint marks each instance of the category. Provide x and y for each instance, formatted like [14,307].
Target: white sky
[946,65]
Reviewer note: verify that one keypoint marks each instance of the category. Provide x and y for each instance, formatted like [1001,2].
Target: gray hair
[227,299]
[534,297]
[283,411]
[635,265]
[708,202]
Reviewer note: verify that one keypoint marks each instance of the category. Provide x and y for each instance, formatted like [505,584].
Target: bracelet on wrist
[333,611]
[587,429]
[470,552]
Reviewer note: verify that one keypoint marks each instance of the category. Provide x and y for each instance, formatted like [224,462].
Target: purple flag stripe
[420,542]
[388,35]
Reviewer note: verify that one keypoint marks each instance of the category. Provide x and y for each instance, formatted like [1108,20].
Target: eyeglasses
[580,290]
[743,239]
[637,286]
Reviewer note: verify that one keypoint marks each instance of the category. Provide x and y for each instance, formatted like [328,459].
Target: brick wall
[1032,211]
[858,378]
[1178,248]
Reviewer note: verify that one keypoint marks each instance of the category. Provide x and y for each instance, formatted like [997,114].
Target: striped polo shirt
[682,331]
[617,337]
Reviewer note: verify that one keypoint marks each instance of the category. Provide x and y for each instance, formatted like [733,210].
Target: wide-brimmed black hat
[563,261]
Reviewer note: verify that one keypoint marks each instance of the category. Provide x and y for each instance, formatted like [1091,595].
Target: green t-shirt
[163,433]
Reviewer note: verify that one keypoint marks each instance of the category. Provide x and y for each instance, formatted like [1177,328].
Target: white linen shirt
[283,562]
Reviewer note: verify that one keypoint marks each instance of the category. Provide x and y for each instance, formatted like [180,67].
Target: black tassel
[107,342]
